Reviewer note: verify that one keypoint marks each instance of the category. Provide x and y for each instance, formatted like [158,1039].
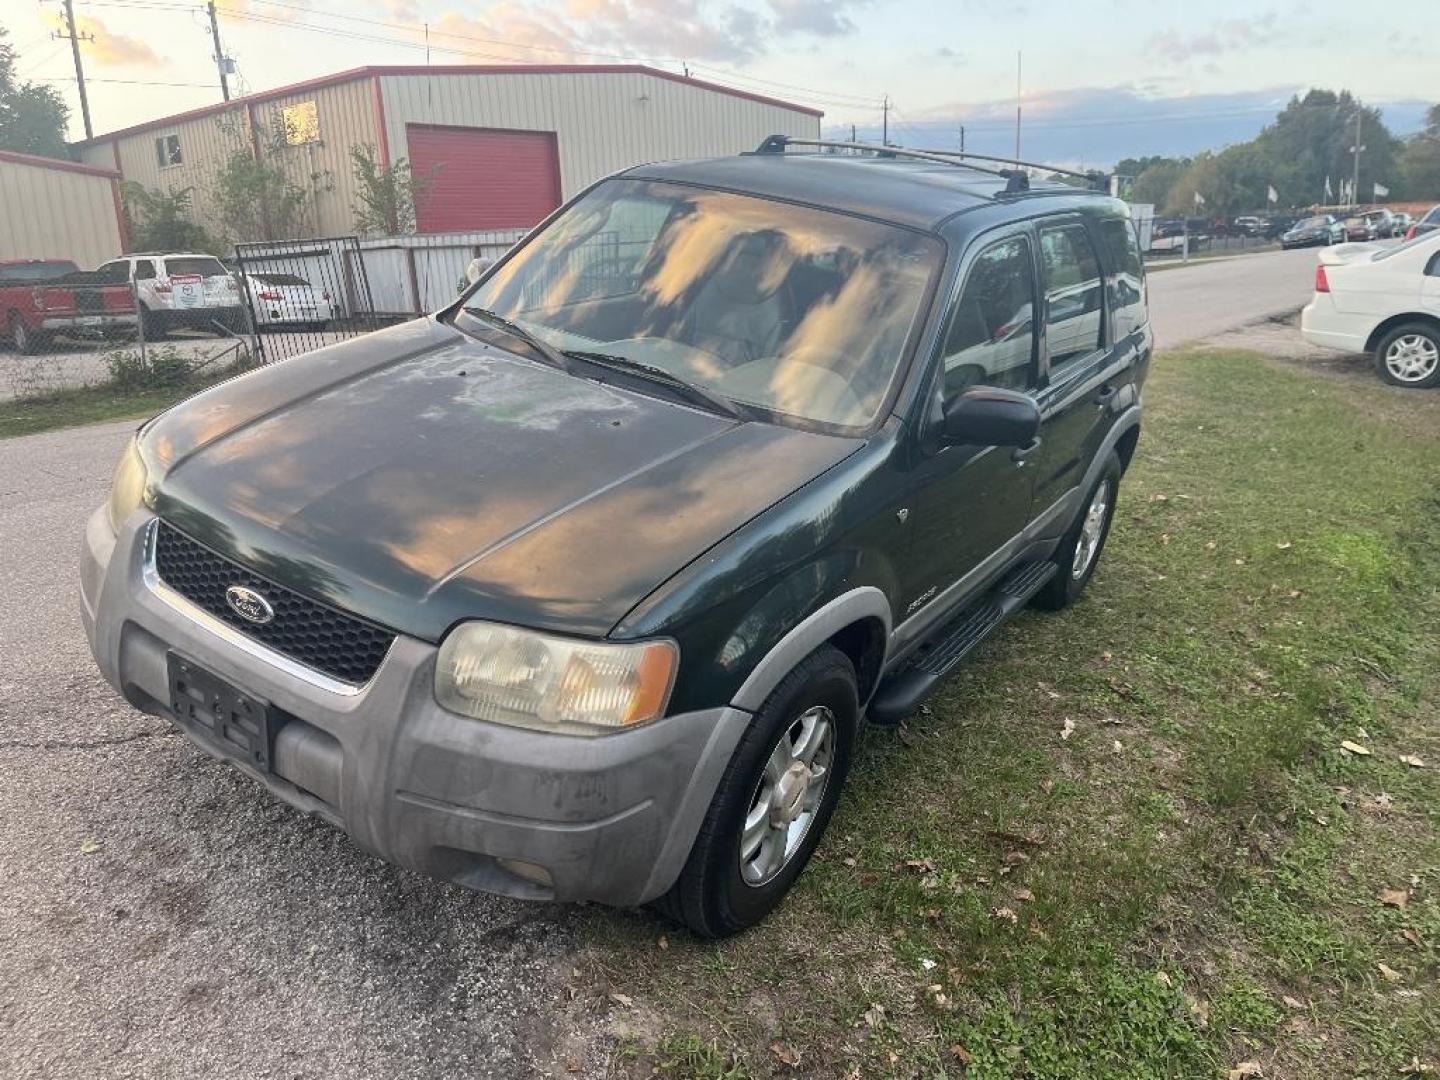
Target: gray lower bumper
[610,818]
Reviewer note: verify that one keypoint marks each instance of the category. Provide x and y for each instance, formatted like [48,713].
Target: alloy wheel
[1087,546]
[790,790]
[1412,358]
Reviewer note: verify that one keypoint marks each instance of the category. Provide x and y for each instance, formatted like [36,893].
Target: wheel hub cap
[789,795]
[1412,357]
[1091,530]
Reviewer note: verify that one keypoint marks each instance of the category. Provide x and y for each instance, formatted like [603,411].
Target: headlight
[528,679]
[128,488]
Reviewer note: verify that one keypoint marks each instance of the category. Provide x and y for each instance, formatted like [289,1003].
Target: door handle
[1022,454]
[1106,395]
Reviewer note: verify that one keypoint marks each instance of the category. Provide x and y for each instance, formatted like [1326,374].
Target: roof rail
[1097,180]
[1016,180]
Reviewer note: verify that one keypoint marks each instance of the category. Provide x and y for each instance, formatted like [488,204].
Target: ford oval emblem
[249,605]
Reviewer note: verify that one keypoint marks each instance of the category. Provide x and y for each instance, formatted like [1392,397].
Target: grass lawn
[1198,876]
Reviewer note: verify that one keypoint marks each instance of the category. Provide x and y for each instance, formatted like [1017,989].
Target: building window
[301,123]
[167,151]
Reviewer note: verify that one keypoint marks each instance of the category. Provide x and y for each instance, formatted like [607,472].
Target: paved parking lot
[160,916]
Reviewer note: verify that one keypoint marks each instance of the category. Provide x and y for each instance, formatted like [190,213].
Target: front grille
[312,633]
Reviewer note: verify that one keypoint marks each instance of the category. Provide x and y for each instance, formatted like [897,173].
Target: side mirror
[989,416]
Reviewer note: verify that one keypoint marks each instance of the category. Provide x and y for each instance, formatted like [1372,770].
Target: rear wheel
[21,335]
[1079,552]
[774,801]
[1409,356]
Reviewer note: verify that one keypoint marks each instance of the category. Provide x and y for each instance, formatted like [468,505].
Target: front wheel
[1409,356]
[1079,552]
[774,801]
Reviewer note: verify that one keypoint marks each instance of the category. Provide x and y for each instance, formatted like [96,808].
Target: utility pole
[219,56]
[1017,109]
[853,137]
[75,39]
[962,138]
[885,121]
[1355,183]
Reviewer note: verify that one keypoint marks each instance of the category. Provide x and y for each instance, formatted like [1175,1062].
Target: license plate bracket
[239,724]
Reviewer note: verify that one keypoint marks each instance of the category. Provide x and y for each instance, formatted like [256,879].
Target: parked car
[1277,225]
[579,588]
[1248,225]
[278,299]
[181,291]
[1400,222]
[43,298]
[1384,301]
[1359,228]
[1318,229]
[1429,223]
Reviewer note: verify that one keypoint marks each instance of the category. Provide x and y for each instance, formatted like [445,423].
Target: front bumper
[610,818]
[107,321]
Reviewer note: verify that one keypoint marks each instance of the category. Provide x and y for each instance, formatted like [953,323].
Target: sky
[1097,81]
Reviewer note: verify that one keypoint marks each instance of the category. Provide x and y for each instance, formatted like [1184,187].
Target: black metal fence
[303,294]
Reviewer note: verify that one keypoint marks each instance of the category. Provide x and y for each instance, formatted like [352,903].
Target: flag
[1199,200]
[1271,195]
[1329,194]
[1381,191]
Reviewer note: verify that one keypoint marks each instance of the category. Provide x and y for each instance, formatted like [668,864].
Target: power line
[126,82]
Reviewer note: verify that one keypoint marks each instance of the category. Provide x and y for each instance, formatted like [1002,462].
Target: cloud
[103,46]
[1222,37]
[823,18]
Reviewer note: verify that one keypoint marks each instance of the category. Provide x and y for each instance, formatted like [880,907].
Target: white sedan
[1384,300]
[278,299]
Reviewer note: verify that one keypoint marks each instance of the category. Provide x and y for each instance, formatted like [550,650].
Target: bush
[159,370]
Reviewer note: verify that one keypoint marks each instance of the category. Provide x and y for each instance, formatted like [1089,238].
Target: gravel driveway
[210,931]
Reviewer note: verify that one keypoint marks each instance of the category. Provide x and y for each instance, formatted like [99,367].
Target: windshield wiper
[551,354]
[698,395]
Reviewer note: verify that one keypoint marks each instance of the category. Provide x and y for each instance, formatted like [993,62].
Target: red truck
[42,298]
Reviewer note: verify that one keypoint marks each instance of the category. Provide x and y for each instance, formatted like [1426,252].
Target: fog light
[536,875]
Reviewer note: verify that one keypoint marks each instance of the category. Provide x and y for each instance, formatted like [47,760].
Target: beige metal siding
[604,121]
[206,143]
[51,213]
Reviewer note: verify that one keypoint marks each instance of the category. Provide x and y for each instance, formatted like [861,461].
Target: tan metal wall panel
[206,143]
[50,213]
[604,121]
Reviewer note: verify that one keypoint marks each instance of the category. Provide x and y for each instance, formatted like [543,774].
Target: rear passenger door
[1078,357]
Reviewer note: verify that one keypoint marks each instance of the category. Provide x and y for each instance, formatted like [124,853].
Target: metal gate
[303,294]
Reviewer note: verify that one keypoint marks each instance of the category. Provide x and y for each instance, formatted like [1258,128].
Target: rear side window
[1126,274]
[1073,305]
[144,270]
[991,340]
[205,267]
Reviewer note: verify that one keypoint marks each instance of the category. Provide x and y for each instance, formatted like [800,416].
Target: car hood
[418,477]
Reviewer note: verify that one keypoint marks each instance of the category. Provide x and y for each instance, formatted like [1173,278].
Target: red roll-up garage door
[483,178]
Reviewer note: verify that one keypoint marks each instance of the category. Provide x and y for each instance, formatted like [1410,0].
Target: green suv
[581,588]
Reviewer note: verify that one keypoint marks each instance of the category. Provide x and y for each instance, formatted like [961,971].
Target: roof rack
[1016,180]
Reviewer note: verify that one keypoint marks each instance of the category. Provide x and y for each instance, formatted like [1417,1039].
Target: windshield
[36,271]
[793,311]
[194,265]
[1313,223]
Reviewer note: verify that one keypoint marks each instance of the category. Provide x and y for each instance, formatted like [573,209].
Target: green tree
[1420,160]
[1312,138]
[255,195]
[32,118]
[386,195]
[161,221]
[1153,183]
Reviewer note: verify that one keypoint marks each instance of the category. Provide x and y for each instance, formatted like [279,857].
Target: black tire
[1066,586]
[711,896]
[1426,337]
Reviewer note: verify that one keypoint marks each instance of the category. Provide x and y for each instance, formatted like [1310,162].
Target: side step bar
[903,690]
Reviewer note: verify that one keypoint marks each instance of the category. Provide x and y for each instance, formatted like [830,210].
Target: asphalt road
[1192,303]
[214,932]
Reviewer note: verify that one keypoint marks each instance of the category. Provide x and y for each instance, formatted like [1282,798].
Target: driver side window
[991,339]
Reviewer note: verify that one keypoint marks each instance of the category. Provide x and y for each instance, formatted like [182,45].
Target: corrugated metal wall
[604,121]
[50,213]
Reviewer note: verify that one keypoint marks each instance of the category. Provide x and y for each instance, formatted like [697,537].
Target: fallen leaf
[1285,545]
[1293,1003]
[1015,858]
[1159,498]
[1355,748]
[1023,895]
[1389,973]
[1244,1069]
[1417,1068]
[925,866]
[623,999]
[1239,562]
[1412,937]
[1295,594]
[664,942]
[1118,747]
[1068,729]
[1210,545]
[1113,721]
[572,1065]
[1047,786]
[90,847]
[1383,802]
[1106,655]
[1005,913]
[1411,760]
[849,861]
[960,1054]
[788,1054]
[927,964]
[874,1015]
[1163,978]
[1165,539]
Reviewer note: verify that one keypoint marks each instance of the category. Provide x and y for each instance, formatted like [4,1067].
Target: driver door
[969,501]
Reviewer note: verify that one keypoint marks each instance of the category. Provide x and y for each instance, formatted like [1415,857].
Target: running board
[902,691]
